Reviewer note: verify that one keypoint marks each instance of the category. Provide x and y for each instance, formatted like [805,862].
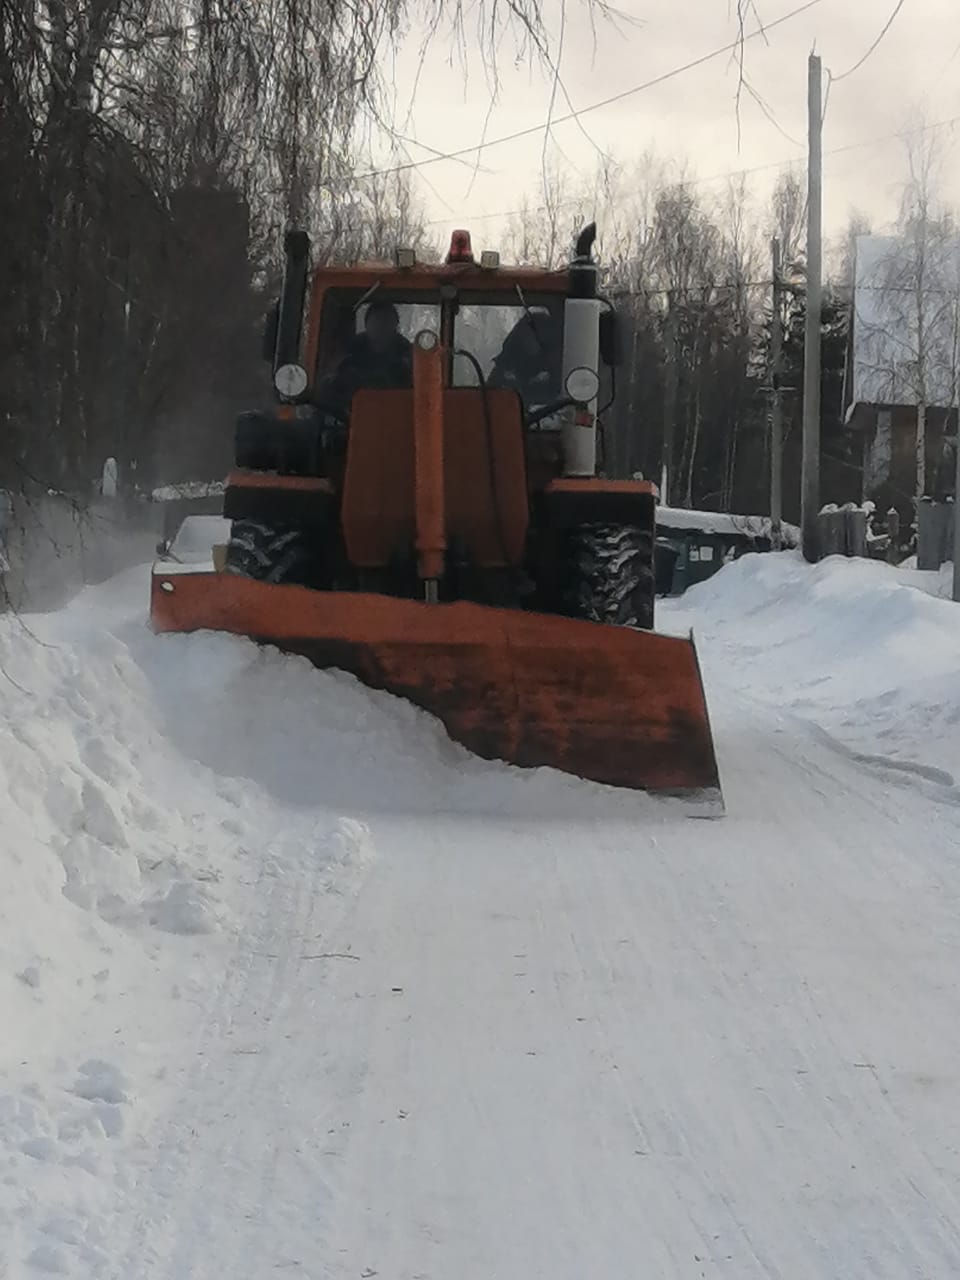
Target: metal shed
[692,545]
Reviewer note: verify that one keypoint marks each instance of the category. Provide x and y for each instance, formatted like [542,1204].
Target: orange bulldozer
[421,507]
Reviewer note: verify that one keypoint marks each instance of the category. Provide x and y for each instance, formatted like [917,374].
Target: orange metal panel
[617,706]
[588,484]
[378,508]
[240,478]
[430,498]
[487,505]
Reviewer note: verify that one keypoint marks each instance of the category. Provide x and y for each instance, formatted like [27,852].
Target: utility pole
[955,414]
[669,401]
[810,471]
[629,459]
[776,407]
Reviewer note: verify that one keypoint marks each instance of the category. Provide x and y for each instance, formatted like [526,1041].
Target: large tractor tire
[612,576]
[268,553]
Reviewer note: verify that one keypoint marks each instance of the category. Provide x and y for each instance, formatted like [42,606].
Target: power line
[886,27]
[719,177]
[769,114]
[891,137]
[596,106]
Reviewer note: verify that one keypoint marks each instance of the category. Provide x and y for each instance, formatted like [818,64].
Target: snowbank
[867,652]
[126,862]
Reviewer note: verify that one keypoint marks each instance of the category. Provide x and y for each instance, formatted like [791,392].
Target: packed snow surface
[292,986]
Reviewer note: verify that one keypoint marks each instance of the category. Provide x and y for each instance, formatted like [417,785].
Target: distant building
[899,292]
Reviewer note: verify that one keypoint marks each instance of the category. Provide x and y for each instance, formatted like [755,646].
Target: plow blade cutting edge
[616,706]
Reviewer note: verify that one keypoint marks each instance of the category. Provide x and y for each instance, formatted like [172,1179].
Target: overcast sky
[916,67]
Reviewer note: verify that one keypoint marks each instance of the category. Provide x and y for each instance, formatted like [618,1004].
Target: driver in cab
[529,360]
[379,358]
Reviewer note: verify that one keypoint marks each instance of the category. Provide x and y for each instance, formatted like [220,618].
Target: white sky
[916,67]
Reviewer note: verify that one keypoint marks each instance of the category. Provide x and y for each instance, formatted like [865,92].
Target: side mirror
[611,339]
[270,327]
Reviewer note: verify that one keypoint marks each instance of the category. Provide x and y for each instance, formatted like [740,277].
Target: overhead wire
[532,130]
[769,113]
[835,80]
[743,7]
[876,44]
[548,131]
[735,173]
[832,79]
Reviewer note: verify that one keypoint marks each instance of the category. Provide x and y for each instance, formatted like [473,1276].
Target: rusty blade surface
[620,707]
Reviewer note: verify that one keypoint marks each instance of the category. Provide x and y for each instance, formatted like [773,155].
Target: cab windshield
[517,347]
[517,344]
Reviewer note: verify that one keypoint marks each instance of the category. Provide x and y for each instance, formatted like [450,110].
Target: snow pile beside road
[936,582]
[87,785]
[126,864]
[867,652]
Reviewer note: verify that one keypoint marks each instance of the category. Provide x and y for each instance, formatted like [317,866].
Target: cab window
[517,347]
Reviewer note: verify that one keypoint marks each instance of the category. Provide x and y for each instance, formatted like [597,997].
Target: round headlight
[290,380]
[426,339]
[583,384]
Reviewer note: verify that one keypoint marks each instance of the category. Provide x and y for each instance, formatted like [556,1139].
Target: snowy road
[456,1021]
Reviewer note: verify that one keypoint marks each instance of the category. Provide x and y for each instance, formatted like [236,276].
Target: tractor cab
[498,326]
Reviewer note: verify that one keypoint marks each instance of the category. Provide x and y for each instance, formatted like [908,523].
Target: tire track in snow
[163,1174]
[713,1038]
[259,1011]
[205,1147]
[854,1114]
[300,1072]
[669,1135]
[174,1171]
[675,1245]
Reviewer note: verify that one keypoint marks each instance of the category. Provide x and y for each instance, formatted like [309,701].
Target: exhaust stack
[296,246]
[581,351]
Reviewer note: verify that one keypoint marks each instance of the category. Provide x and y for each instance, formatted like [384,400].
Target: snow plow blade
[616,706]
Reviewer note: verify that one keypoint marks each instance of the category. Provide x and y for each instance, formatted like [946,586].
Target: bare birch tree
[915,286]
[788,211]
